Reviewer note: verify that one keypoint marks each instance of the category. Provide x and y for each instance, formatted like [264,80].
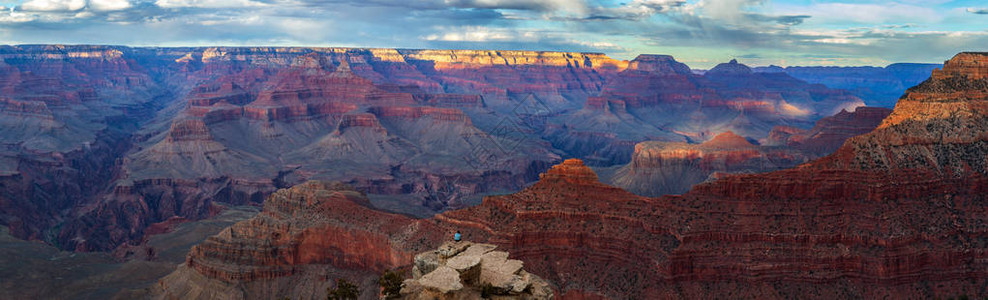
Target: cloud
[53,5]
[109,5]
[634,10]
[208,3]
[576,6]
[980,11]
[9,15]
[480,34]
[868,13]
[474,37]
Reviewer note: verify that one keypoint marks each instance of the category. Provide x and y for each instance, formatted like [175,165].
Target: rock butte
[661,168]
[898,212]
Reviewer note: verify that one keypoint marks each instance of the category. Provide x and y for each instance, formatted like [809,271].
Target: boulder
[467,265]
[449,249]
[443,280]
[424,263]
[464,270]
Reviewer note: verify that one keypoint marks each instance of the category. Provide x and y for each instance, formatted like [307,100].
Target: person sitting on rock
[457,236]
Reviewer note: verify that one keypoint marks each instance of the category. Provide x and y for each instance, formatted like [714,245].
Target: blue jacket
[456,237]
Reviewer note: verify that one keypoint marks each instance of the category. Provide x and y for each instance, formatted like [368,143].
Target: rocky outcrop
[658,64]
[464,270]
[661,168]
[304,239]
[732,68]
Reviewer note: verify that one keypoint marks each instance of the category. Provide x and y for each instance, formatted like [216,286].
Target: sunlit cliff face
[957,90]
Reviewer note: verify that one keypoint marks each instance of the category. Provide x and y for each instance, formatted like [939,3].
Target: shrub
[390,283]
[344,290]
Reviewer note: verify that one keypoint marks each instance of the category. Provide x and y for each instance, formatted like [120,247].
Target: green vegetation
[344,290]
[390,283]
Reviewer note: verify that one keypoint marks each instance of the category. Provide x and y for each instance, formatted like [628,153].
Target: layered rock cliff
[657,98]
[661,168]
[66,117]
[829,133]
[898,212]
[264,125]
[304,239]
[100,142]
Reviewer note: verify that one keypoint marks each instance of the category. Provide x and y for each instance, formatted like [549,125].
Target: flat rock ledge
[466,270]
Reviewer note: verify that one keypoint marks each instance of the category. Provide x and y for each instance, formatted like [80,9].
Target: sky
[700,33]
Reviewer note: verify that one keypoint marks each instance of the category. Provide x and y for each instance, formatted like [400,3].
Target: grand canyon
[104,142]
[493,149]
[896,212]
[269,172]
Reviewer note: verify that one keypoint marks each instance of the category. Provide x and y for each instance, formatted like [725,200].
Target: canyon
[896,212]
[101,143]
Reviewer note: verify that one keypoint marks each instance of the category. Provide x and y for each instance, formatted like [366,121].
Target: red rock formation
[658,64]
[279,119]
[361,120]
[189,130]
[728,140]
[454,100]
[830,132]
[669,103]
[971,65]
[661,168]
[898,212]
[418,112]
[236,123]
[306,236]
[553,76]
[66,116]
[224,92]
